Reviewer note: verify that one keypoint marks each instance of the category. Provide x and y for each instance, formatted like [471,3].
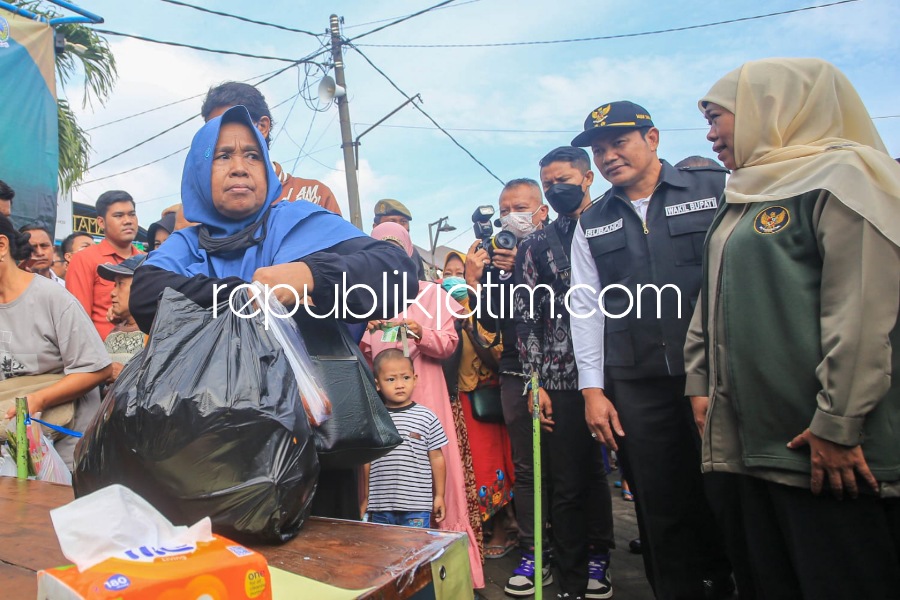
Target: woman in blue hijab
[229,188]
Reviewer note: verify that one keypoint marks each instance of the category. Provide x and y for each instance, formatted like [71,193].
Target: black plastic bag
[360,428]
[207,421]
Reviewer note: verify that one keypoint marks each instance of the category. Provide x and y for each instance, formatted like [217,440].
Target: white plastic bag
[315,400]
[53,467]
[48,465]
[7,463]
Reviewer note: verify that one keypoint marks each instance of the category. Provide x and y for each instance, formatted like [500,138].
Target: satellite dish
[329,90]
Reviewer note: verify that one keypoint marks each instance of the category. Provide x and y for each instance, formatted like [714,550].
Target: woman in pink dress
[431,321]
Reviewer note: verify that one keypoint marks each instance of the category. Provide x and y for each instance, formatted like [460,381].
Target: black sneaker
[568,596]
[522,581]
[599,585]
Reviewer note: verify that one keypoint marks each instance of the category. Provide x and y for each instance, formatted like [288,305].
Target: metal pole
[538,521]
[344,114]
[21,438]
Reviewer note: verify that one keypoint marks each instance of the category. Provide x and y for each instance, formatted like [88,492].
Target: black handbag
[360,428]
[486,405]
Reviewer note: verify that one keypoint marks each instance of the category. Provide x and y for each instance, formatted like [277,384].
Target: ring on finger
[593,435]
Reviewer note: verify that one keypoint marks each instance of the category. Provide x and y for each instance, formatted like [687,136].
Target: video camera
[484,231]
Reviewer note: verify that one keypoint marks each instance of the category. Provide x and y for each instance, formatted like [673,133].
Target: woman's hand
[839,463]
[372,326]
[35,405]
[414,328]
[296,276]
[116,369]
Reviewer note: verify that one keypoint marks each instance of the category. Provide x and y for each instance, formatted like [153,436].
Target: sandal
[627,496]
[497,551]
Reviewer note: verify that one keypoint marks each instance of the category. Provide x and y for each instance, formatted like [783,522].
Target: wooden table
[395,562]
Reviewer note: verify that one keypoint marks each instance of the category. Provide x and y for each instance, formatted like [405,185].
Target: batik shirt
[545,341]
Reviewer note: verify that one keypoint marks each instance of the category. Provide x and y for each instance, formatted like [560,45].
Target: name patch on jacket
[603,229]
[692,206]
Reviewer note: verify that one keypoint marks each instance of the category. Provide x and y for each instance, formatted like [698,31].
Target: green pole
[538,521]
[21,438]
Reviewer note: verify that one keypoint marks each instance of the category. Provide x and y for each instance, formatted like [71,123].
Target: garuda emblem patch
[771,220]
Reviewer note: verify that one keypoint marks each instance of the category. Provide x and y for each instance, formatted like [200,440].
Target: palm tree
[87,55]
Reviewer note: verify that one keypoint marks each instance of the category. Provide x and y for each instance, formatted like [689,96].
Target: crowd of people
[729,331]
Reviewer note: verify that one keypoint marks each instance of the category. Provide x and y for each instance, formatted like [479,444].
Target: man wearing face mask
[581,504]
[647,230]
[521,212]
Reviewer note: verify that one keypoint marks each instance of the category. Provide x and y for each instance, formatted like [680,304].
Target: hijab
[454,254]
[224,247]
[394,232]
[800,126]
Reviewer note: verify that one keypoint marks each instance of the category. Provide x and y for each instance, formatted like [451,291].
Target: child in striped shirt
[407,485]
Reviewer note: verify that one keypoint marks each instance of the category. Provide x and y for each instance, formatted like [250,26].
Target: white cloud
[372,188]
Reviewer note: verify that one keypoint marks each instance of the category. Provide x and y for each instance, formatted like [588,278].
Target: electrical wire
[402,19]
[192,47]
[147,164]
[239,18]
[427,116]
[305,139]
[607,37]
[141,143]
[403,16]
[540,131]
[275,74]
[149,110]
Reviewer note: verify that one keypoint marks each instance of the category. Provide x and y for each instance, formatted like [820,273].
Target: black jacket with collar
[666,250]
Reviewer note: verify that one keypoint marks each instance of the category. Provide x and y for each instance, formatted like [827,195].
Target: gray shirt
[45,330]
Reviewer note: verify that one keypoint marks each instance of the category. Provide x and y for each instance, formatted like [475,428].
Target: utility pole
[347,143]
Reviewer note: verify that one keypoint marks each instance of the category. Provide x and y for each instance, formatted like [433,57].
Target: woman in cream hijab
[794,351]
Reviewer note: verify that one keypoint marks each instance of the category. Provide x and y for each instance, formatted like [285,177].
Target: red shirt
[91,290]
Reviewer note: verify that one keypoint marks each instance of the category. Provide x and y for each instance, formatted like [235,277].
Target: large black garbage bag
[207,421]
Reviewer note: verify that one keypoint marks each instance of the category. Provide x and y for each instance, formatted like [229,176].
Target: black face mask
[565,198]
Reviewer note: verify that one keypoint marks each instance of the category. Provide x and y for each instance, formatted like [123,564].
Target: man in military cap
[394,211]
[647,231]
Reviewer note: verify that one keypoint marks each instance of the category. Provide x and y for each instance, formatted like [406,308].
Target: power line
[402,19]
[192,47]
[149,110]
[541,131]
[403,16]
[608,37]
[275,74]
[152,162]
[421,110]
[239,18]
[163,157]
[139,144]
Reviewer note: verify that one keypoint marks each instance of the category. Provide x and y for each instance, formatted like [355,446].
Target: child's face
[396,382]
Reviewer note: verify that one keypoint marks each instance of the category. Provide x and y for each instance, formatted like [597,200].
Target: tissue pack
[216,570]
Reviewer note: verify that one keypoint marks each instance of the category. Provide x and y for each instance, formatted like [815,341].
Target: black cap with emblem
[614,115]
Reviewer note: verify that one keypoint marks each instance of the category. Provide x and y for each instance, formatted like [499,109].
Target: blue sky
[522,100]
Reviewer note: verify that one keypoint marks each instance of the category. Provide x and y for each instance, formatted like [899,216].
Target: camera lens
[505,240]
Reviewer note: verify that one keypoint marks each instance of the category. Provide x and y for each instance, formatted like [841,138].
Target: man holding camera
[521,212]
[638,249]
[580,499]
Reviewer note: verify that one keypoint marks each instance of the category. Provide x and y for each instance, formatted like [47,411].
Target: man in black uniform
[647,230]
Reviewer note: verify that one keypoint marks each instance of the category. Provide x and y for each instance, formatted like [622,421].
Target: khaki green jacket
[797,327]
